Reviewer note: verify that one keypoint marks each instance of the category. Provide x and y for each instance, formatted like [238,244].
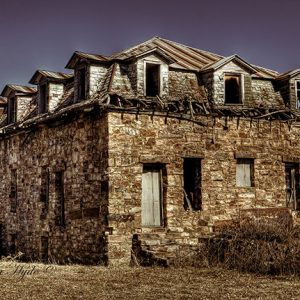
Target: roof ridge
[193,48]
[135,46]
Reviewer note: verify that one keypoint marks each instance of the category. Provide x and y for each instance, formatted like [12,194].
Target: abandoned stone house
[156,145]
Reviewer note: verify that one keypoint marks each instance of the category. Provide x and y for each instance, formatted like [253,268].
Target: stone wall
[96,77]
[78,150]
[23,103]
[134,140]
[56,91]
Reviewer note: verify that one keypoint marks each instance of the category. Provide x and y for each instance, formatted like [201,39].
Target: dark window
[44,248]
[13,244]
[292,186]
[232,90]
[43,101]
[298,94]
[82,84]
[12,110]
[152,79]
[245,172]
[60,196]
[44,194]
[192,183]
[13,195]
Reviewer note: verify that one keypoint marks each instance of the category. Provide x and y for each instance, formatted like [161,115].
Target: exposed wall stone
[96,77]
[23,103]
[79,149]
[55,91]
[131,140]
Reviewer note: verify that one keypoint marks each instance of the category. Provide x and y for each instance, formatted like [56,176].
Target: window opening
[245,172]
[297,94]
[12,110]
[81,84]
[292,185]
[43,103]
[44,193]
[192,183]
[233,89]
[152,79]
[13,196]
[59,189]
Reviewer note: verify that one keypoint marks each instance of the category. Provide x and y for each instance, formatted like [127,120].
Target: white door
[151,196]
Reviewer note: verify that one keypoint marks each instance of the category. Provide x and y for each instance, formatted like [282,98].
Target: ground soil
[39,281]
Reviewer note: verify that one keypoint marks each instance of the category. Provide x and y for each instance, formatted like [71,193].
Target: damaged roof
[18,89]
[41,74]
[77,56]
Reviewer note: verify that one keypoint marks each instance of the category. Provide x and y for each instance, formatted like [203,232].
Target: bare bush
[265,246]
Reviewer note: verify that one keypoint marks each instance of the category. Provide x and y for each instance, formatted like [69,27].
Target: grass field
[39,281]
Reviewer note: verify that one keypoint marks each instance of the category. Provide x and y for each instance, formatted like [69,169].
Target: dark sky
[43,34]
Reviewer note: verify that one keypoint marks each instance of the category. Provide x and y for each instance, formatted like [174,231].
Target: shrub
[266,246]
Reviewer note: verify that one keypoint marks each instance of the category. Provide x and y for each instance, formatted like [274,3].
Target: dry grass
[86,282]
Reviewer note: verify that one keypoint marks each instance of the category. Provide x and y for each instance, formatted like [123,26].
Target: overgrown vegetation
[264,246]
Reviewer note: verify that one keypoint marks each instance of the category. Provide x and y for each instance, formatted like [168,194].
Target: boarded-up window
[60,198]
[152,195]
[292,185]
[43,101]
[44,248]
[12,110]
[298,94]
[13,195]
[44,194]
[82,84]
[152,79]
[192,183]
[245,172]
[233,89]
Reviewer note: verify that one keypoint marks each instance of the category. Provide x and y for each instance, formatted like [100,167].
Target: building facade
[150,148]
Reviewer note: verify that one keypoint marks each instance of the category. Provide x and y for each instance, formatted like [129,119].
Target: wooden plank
[151,197]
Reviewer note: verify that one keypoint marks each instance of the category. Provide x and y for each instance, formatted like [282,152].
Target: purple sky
[41,34]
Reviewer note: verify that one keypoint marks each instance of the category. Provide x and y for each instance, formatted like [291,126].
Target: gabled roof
[17,89]
[289,74]
[77,55]
[3,101]
[222,62]
[184,57]
[42,74]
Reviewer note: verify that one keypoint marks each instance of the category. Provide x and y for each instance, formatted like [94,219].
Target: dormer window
[297,84]
[43,101]
[233,90]
[152,79]
[12,110]
[81,84]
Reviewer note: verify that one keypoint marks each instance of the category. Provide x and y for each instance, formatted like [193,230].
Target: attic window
[12,110]
[43,103]
[152,80]
[297,94]
[81,84]
[233,89]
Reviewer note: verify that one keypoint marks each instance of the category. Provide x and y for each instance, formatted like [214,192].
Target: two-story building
[153,146]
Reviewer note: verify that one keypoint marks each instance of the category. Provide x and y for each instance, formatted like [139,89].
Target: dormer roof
[289,74]
[9,88]
[40,75]
[77,56]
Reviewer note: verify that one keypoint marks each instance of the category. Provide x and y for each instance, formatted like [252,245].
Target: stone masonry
[76,178]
